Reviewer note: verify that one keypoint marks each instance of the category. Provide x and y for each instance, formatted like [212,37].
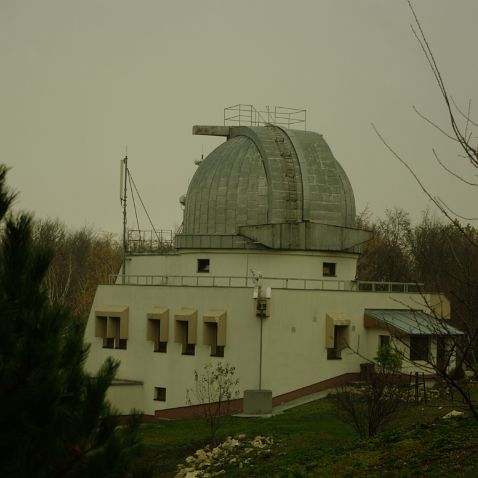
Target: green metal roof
[413,322]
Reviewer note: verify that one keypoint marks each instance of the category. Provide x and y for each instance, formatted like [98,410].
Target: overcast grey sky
[80,80]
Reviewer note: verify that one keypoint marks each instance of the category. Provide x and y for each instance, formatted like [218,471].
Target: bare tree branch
[451,172]
[429,121]
[437,203]
[470,152]
[467,117]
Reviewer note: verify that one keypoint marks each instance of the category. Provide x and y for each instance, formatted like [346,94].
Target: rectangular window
[328,269]
[215,331]
[157,328]
[161,347]
[121,344]
[203,265]
[189,349]
[340,342]
[419,347]
[337,334]
[186,330]
[383,340]
[183,337]
[210,338]
[108,343]
[160,394]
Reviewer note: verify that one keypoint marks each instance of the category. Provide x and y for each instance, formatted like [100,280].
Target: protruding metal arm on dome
[211,130]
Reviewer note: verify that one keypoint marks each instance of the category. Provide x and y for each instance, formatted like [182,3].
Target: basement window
[160,394]
[419,347]
[203,265]
[328,269]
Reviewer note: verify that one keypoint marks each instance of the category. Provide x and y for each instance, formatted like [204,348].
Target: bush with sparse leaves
[214,389]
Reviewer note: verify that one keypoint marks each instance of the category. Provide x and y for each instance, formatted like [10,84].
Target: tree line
[83,259]
[437,254]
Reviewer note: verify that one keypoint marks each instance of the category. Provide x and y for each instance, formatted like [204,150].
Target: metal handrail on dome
[274,282]
[249,115]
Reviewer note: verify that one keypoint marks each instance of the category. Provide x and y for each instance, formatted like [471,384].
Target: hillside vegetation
[311,441]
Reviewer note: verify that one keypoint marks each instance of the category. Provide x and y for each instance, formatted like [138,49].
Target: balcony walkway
[274,282]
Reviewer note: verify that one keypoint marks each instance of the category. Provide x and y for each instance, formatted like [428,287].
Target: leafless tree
[370,406]
[214,389]
[461,129]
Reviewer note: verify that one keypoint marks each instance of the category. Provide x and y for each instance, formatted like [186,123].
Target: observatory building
[262,275]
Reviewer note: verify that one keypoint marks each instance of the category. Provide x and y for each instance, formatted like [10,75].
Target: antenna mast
[123,190]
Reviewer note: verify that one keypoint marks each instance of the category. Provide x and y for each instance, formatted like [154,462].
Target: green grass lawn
[311,441]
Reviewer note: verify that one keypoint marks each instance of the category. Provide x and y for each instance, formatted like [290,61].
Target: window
[328,269]
[189,349]
[336,335]
[340,342]
[203,265]
[186,330]
[111,325]
[160,346]
[114,331]
[121,344]
[383,340]
[160,394]
[108,343]
[419,347]
[215,331]
[210,338]
[183,337]
[158,328]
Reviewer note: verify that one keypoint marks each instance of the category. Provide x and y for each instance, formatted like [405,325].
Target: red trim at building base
[235,406]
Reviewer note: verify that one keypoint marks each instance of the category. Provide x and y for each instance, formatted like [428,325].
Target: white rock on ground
[453,414]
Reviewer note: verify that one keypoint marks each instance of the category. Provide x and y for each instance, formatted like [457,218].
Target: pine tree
[54,419]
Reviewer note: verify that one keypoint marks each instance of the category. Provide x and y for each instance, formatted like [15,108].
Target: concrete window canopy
[111,324]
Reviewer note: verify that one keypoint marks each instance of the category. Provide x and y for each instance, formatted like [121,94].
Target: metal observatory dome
[269,187]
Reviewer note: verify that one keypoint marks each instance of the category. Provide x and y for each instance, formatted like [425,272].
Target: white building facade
[262,276]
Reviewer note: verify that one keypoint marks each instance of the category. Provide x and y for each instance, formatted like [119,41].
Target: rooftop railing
[140,240]
[274,282]
[248,115]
